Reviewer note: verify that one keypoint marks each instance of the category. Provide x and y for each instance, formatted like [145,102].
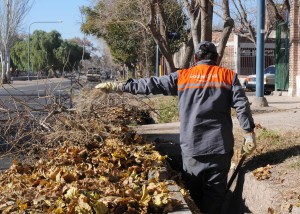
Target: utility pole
[6,47]
[260,55]
[157,54]
[157,62]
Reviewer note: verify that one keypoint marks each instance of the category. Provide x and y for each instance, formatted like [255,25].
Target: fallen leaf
[145,196]
[83,203]
[71,193]
[271,210]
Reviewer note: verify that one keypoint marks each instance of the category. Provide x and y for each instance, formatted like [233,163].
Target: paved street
[34,86]
[36,94]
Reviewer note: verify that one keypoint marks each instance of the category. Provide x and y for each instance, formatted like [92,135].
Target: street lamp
[58,21]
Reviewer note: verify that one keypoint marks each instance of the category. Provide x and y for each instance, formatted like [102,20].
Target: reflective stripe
[206,85]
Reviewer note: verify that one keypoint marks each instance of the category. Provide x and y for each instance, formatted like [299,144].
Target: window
[270,70]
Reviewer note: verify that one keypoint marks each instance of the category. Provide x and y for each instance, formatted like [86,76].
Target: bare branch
[228,26]
[246,27]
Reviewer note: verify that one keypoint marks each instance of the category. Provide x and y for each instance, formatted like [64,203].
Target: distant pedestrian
[206,92]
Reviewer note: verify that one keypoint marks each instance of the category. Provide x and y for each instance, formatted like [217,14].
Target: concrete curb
[248,194]
[176,194]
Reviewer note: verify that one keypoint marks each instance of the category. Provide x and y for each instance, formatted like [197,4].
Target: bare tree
[245,17]
[12,13]
[150,16]
[200,13]
[193,11]
[206,12]
[159,29]
[227,28]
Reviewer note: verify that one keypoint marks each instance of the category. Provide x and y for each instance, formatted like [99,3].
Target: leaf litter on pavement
[89,161]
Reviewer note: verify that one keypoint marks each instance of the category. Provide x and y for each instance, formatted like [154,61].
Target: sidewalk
[16,83]
[278,102]
[282,113]
[280,110]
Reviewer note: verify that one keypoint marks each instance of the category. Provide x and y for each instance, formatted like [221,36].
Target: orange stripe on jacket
[203,76]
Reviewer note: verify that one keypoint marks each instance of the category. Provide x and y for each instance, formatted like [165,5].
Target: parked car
[269,81]
[95,75]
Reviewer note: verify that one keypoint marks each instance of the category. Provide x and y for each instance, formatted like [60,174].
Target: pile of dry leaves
[88,161]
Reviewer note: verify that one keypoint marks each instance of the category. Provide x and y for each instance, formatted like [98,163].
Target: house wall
[239,54]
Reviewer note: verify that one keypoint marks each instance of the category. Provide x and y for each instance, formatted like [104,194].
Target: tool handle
[237,169]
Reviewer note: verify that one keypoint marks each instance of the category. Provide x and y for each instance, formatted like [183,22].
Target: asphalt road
[36,95]
[34,87]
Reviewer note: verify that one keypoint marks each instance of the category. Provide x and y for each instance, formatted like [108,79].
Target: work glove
[109,87]
[249,143]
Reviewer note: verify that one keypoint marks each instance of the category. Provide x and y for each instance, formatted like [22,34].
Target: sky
[55,10]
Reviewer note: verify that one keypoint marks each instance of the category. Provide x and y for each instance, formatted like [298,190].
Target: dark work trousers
[205,177]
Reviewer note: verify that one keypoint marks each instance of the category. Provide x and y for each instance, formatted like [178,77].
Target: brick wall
[294,61]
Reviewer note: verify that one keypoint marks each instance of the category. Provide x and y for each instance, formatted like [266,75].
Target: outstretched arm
[166,85]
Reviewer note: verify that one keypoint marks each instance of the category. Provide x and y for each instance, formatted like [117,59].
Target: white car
[269,81]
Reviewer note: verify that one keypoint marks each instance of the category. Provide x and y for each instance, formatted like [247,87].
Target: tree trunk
[227,29]
[159,30]
[193,9]
[5,77]
[8,70]
[2,67]
[189,50]
[206,10]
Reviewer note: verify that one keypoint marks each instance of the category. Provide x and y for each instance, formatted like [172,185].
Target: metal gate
[239,56]
[282,57]
[248,59]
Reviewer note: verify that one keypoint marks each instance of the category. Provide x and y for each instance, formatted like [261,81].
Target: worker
[206,93]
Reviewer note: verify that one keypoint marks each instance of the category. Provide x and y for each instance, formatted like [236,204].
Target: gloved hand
[107,86]
[249,143]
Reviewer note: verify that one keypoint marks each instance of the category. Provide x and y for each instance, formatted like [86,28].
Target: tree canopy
[47,51]
[124,26]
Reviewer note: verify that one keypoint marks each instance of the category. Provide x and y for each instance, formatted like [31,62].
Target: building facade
[239,54]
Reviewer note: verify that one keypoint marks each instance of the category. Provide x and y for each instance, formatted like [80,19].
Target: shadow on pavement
[272,157]
[235,203]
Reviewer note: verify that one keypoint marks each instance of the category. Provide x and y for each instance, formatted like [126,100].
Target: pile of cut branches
[85,160]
